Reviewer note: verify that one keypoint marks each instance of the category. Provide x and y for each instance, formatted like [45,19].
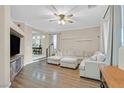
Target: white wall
[80,42]
[46,42]
[4,46]
[27,45]
[22,46]
[26,42]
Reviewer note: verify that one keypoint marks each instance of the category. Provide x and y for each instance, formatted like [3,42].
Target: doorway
[37,46]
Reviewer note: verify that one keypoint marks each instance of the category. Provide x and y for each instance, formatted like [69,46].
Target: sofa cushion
[69,60]
[94,58]
[54,58]
[101,57]
[98,56]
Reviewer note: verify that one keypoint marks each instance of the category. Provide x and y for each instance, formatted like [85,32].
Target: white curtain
[105,27]
[110,37]
[52,50]
[116,34]
[104,35]
[50,44]
[111,34]
[58,41]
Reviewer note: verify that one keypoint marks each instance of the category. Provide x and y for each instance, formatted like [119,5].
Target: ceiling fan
[62,18]
[66,18]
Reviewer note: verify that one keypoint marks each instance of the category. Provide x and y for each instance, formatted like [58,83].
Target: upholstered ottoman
[54,60]
[69,62]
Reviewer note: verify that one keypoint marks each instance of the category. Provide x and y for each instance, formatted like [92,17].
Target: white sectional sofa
[89,67]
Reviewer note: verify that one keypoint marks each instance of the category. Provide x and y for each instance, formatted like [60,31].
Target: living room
[77,43]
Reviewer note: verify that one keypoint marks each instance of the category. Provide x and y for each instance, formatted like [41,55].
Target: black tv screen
[14,45]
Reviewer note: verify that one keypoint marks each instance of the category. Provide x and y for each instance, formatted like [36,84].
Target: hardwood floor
[43,75]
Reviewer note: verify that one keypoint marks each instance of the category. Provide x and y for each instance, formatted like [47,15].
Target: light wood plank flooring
[43,75]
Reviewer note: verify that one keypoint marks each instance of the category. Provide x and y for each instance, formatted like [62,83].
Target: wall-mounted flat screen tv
[14,45]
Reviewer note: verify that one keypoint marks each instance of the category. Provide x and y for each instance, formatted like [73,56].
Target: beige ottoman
[69,62]
[54,60]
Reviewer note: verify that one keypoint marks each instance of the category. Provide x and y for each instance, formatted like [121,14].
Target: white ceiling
[38,16]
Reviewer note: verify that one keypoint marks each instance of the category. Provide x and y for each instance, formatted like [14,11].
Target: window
[36,42]
[122,36]
[122,31]
[106,33]
[55,41]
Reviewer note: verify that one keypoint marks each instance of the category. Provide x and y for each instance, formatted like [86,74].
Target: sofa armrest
[93,66]
[95,62]
[92,69]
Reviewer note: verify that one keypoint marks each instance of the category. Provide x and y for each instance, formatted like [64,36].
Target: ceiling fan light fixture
[63,22]
[59,22]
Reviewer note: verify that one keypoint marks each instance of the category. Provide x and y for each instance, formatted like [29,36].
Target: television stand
[16,64]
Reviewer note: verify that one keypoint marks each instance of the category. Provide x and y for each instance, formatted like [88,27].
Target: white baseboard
[35,61]
[38,60]
[28,63]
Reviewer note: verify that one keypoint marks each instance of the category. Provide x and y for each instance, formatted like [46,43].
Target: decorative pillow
[94,58]
[101,57]
[98,56]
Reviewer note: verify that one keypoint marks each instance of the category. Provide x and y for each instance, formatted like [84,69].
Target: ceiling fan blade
[55,9]
[70,15]
[70,21]
[56,14]
[72,10]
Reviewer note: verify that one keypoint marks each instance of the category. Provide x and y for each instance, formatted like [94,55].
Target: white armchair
[90,68]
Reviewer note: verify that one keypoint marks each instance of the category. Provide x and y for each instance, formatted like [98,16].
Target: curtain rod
[106,11]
